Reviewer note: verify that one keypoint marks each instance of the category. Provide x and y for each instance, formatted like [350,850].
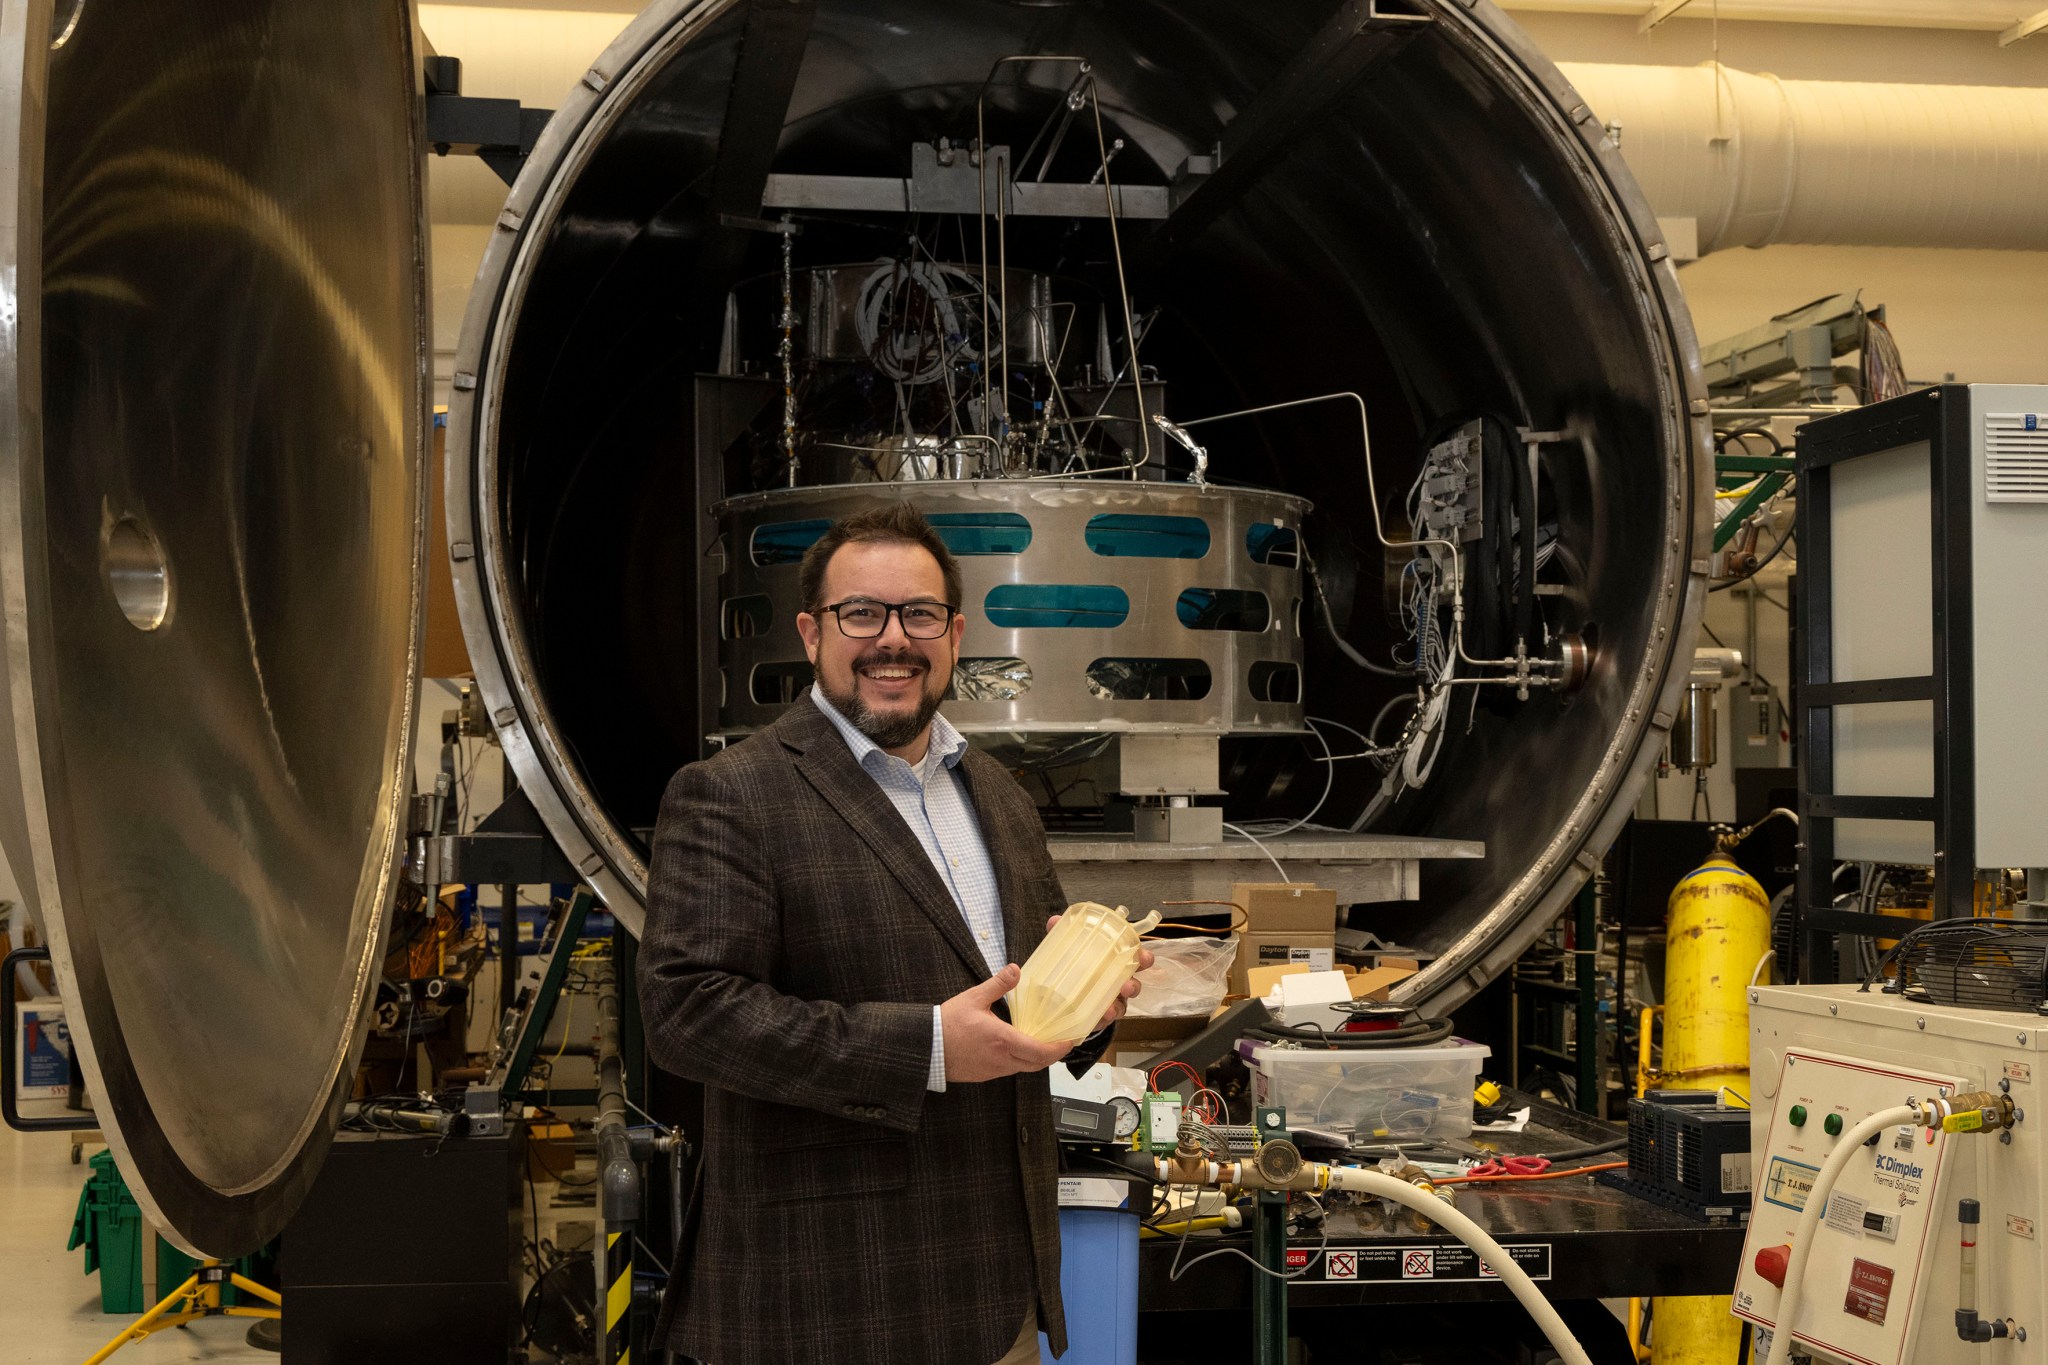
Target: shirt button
[1023,1137]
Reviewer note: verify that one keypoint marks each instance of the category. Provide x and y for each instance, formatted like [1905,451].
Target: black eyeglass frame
[888,609]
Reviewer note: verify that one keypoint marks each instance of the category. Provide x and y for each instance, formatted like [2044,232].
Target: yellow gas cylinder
[1717,929]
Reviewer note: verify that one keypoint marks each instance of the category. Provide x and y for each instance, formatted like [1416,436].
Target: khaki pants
[1025,1352]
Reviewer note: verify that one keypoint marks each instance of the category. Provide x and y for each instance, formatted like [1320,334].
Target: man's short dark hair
[897,522]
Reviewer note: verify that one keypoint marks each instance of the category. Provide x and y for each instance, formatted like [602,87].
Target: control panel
[1877,1240]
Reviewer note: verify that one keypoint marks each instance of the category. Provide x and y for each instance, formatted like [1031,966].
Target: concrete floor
[50,1314]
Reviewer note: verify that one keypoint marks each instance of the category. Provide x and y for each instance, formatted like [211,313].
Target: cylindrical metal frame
[1066,519]
[1672,584]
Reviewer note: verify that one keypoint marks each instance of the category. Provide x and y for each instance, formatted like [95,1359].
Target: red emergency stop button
[1771,1263]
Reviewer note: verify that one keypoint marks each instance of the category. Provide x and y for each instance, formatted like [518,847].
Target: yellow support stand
[198,1297]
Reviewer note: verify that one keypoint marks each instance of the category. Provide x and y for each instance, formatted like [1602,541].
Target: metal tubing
[1585,959]
[1269,1292]
[618,1175]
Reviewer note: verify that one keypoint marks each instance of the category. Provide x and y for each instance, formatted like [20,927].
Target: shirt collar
[947,743]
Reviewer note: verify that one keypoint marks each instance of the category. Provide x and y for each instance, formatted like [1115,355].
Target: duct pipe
[1755,160]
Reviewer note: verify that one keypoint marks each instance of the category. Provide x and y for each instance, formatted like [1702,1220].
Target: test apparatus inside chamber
[1129,606]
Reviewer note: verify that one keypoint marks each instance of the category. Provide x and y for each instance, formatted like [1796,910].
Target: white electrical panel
[1883,1279]
[1881,567]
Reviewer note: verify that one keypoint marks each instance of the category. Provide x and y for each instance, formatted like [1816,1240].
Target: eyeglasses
[863,618]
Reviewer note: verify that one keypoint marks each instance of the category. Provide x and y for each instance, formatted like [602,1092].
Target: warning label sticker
[1845,1213]
[1870,1291]
[1382,1264]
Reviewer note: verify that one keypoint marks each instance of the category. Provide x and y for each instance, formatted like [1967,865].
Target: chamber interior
[1433,237]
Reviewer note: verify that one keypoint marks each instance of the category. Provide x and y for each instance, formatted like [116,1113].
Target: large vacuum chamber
[213,499]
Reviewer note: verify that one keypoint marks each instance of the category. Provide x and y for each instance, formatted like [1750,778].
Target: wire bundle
[1884,371]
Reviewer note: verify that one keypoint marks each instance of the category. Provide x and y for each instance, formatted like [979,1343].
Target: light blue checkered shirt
[932,799]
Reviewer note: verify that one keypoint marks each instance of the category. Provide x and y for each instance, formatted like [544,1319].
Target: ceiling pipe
[1755,160]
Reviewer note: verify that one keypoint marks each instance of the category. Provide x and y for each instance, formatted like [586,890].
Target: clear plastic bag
[1187,976]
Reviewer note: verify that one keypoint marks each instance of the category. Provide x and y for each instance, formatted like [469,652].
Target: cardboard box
[1281,907]
[43,1047]
[1286,923]
[1378,983]
[1375,984]
[550,1150]
[1137,1039]
[1291,948]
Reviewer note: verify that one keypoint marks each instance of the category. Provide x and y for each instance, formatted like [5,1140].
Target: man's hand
[1130,988]
[981,1047]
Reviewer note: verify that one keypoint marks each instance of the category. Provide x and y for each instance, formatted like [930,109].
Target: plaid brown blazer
[796,940]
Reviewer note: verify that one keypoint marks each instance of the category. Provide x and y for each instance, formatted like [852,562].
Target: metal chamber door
[212,355]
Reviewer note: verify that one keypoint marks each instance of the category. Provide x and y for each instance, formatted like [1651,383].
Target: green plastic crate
[108,1225]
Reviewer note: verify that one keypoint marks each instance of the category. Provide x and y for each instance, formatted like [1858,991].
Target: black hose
[1415,1034]
[1593,1149]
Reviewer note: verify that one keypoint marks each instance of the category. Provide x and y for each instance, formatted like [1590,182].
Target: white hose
[1441,1213]
[1816,1204]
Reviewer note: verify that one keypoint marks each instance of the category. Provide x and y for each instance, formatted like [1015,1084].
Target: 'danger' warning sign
[1365,1264]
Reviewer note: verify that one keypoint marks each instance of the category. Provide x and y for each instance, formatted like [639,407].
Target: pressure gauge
[1126,1111]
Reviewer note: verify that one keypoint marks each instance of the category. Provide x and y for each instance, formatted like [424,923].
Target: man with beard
[835,909]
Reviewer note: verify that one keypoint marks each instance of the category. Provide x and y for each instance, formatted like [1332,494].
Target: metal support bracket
[500,133]
[1776,471]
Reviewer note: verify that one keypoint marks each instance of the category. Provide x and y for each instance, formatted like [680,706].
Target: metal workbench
[1578,1238]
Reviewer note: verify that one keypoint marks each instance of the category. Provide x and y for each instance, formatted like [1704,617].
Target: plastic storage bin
[1395,1092]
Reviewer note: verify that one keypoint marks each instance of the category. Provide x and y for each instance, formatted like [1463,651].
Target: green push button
[1798,1116]
[1833,1125]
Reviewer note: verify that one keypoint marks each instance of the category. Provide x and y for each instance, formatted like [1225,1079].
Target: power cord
[1415,1033]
